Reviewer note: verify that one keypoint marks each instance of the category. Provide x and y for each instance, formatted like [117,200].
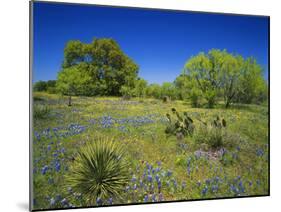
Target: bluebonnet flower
[149,178]
[241,187]
[57,166]
[215,188]
[208,181]
[49,147]
[52,201]
[107,121]
[154,198]
[37,135]
[157,177]
[58,197]
[160,197]
[134,179]
[159,184]
[64,202]
[250,183]
[99,201]
[92,121]
[110,201]
[44,169]
[148,166]
[204,191]
[62,150]
[188,170]
[159,163]
[145,198]
[175,183]
[217,179]
[135,187]
[169,173]
[141,183]
[259,152]
[234,189]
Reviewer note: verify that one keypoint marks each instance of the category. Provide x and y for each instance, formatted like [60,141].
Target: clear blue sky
[160,42]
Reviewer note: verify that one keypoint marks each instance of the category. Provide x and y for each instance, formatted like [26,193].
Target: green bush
[99,171]
[40,111]
[213,134]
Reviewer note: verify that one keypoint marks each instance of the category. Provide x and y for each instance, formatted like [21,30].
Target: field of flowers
[162,167]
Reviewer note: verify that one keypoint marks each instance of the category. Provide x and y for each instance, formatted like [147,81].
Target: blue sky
[159,41]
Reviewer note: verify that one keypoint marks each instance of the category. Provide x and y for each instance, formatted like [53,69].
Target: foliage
[200,69]
[126,92]
[48,86]
[213,134]
[153,90]
[181,126]
[168,89]
[99,170]
[221,73]
[252,86]
[104,63]
[73,81]
[140,88]
[41,111]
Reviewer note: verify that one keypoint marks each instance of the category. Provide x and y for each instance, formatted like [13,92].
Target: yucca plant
[99,171]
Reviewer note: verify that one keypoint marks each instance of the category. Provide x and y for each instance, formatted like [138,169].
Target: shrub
[40,111]
[126,92]
[212,134]
[99,171]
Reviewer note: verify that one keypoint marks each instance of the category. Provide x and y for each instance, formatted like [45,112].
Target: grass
[162,168]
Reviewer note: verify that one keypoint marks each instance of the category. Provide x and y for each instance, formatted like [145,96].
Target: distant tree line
[46,86]
[101,68]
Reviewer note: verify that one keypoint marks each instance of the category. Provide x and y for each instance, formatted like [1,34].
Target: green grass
[179,168]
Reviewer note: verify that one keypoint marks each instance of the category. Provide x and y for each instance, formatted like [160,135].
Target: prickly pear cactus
[178,124]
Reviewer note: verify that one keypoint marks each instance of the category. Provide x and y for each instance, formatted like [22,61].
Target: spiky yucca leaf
[99,171]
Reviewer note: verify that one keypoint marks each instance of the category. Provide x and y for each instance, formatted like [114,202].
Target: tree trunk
[69,101]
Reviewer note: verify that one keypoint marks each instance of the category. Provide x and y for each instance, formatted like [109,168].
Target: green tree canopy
[73,81]
[200,68]
[108,67]
[221,73]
